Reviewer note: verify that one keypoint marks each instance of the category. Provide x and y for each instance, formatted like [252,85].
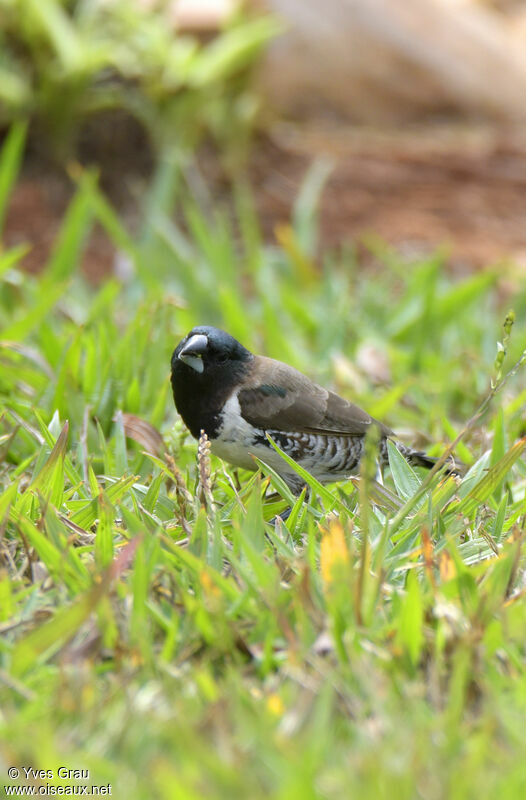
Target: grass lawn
[156,630]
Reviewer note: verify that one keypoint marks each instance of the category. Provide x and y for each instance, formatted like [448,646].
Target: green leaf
[406,480]
[15,91]
[491,480]
[70,241]
[306,206]
[10,160]
[7,498]
[86,516]
[50,479]
[60,30]
[120,452]
[232,50]
[499,445]
[104,536]
[152,495]
[410,624]
[500,517]
[9,259]
[48,553]
[31,319]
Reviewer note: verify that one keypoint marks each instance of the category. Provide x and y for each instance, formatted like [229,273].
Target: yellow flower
[334,551]
[275,704]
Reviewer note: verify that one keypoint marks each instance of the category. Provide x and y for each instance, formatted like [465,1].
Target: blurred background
[412,109]
[341,184]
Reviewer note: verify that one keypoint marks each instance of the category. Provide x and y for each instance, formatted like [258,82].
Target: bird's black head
[206,366]
[207,349]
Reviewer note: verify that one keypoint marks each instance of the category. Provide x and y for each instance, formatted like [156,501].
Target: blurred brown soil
[415,189]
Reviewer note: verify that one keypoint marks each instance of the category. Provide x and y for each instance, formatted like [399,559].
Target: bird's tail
[419,459]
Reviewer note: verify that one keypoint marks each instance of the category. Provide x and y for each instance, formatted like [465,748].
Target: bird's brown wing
[278,397]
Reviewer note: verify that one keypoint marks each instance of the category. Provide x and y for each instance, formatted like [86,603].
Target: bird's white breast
[236,440]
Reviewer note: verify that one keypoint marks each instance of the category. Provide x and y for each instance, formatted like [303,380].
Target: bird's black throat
[200,397]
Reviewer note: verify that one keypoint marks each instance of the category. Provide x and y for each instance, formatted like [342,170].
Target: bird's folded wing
[278,397]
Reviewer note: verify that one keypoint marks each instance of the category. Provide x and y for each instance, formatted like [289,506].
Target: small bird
[237,398]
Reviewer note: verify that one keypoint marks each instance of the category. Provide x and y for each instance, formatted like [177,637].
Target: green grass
[64,62]
[156,630]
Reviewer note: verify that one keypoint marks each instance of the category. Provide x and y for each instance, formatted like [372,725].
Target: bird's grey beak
[193,350]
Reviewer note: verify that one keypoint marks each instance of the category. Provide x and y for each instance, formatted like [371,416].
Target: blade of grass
[10,160]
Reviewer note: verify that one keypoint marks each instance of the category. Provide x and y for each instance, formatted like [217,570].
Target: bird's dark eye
[222,359]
